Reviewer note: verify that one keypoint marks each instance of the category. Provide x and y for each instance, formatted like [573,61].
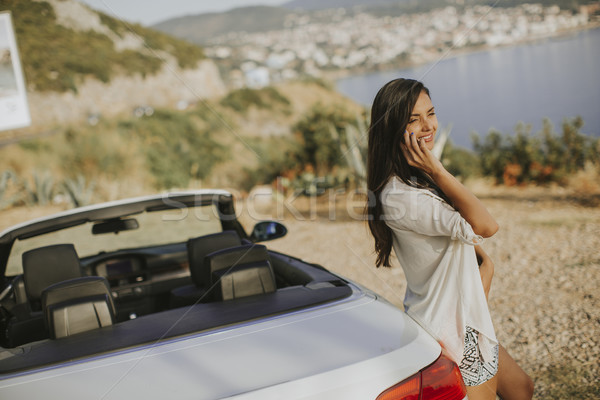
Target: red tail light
[439,381]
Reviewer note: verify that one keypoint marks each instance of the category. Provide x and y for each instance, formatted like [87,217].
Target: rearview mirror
[267,230]
[115,226]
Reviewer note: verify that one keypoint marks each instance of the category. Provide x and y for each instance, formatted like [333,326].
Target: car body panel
[305,352]
[295,343]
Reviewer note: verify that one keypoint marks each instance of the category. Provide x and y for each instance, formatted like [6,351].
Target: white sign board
[14,111]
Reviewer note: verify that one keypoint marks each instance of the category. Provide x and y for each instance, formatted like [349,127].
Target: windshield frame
[222,200]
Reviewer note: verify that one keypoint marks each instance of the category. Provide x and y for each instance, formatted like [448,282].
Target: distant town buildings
[363,42]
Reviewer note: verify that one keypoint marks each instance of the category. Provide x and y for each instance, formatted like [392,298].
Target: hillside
[122,110]
[77,62]
[200,28]
[203,27]
[416,5]
[237,141]
[325,4]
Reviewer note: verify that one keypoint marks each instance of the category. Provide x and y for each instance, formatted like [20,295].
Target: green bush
[266,98]
[79,191]
[131,62]
[542,158]
[460,162]
[8,179]
[492,153]
[41,191]
[278,158]
[320,132]
[176,150]
[164,150]
[90,152]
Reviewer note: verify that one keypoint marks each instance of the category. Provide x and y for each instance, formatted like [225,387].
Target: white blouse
[435,247]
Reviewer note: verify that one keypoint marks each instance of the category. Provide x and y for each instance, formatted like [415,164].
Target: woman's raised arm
[466,203]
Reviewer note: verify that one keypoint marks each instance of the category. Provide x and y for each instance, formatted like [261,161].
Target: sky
[148,12]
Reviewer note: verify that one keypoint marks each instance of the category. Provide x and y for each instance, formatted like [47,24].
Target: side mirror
[267,230]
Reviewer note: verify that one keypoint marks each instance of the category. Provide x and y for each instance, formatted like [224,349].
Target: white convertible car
[168,297]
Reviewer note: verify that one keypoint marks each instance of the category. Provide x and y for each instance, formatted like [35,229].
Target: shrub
[460,162]
[278,158]
[175,148]
[266,98]
[92,152]
[321,131]
[8,193]
[41,191]
[78,190]
[542,158]
[493,155]
[77,157]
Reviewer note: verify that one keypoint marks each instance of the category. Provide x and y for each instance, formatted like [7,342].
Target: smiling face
[423,122]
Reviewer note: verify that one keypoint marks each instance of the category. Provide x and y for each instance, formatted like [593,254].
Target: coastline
[335,75]
[502,88]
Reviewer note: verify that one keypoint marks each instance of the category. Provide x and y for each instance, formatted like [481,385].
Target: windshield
[155,228]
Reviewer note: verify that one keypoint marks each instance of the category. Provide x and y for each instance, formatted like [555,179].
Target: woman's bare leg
[510,382]
[485,391]
[513,382]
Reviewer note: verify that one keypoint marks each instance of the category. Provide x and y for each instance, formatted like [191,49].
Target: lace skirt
[474,371]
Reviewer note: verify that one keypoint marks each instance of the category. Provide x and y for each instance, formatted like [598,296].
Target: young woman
[435,226]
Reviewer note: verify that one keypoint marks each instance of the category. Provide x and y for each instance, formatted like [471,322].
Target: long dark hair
[390,114]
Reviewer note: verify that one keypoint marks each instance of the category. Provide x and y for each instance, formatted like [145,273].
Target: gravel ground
[544,301]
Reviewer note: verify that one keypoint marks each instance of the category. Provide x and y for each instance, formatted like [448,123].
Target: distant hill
[62,42]
[203,27]
[325,4]
[79,63]
[200,28]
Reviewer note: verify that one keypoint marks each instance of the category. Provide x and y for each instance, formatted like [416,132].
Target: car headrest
[201,246]
[77,305]
[48,265]
[233,256]
[240,271]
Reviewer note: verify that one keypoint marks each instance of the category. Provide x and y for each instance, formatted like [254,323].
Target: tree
[319,147]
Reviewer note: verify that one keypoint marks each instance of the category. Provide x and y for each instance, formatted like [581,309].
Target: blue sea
[553,78]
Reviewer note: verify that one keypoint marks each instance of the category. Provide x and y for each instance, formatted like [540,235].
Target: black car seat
[46,266]
[42,267]
[240,272]
[197,249]
[77,305]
